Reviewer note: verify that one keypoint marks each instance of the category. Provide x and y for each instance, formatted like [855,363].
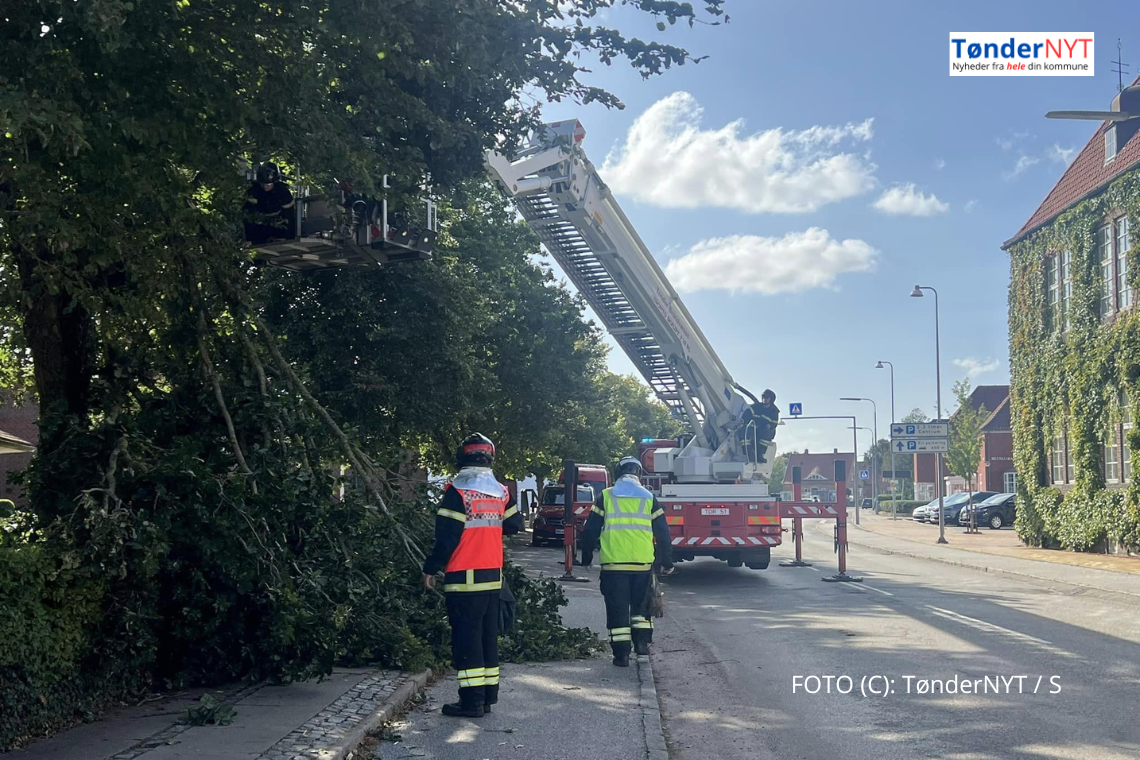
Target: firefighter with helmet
[271,209]
[475,512]
[630,527]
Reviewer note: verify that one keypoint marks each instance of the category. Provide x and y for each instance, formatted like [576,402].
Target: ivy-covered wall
[1069,380]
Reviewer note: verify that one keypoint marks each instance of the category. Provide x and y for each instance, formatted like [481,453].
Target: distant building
[817,475]
[995,466]
[18,423]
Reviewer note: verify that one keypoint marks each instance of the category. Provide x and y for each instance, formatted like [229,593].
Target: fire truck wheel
[759,560]
[735,560]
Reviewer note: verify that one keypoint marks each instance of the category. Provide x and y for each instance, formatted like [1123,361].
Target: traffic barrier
[799,511]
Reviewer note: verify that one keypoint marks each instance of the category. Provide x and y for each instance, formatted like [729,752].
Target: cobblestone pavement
[331,726]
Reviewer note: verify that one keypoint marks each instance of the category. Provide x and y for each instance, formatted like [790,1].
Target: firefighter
[270,208]
[630,527]
[766,415]
[475,512]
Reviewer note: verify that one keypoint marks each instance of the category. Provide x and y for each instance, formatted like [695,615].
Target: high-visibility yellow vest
[627,533]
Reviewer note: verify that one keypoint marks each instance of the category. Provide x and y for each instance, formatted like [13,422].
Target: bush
[903,507]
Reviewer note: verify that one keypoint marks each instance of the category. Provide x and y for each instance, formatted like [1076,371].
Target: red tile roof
[1084,177]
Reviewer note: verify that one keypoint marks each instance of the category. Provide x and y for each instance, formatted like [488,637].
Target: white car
[922,514]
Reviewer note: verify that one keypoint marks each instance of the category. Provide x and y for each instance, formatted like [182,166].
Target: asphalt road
[733,641]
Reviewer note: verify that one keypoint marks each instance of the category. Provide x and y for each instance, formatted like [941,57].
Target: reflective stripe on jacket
[627,533]
[476,564]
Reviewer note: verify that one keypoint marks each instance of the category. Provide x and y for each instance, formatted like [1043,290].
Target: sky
[798,183]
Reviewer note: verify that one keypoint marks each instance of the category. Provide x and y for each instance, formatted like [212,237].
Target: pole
[797,523]
[874,454]
[854,462]
[894,471]
[569,496]
[840,470]
[938,402]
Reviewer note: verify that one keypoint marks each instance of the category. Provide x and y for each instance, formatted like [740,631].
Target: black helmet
[768,393]
[630,466]
[268,173]
[477,450]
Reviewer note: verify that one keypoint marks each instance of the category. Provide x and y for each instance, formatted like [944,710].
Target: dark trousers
[628,608]
[474,619]
[283,227]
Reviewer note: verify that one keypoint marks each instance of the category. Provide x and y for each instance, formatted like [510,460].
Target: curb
[986,568]
[344,749]
[655,746]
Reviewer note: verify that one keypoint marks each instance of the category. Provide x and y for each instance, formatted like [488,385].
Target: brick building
[995,466]
[817,474]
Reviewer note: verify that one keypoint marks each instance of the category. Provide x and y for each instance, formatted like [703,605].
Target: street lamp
[917,293]
[874,443]
[894,471]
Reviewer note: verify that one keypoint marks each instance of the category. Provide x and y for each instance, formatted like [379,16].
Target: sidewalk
[300,721]
[999,551]
[573,710]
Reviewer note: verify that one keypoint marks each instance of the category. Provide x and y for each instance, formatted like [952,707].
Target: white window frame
[1125,404]
[1065,278]
[1057,460]
[1104,240]
[1112,458]
[1009,481]
[1123,289]
[1052,292]
[1110,143]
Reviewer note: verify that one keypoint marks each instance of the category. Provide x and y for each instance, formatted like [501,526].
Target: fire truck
[709,482]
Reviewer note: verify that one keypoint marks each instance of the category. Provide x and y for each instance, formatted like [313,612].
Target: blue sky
[815,310]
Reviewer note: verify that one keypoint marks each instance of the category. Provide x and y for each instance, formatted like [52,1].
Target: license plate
[559,531]
[714,511]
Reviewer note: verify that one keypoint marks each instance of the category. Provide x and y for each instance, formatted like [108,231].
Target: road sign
[896,473]
[920,430]
[920,445]
[795,409]
[864,475]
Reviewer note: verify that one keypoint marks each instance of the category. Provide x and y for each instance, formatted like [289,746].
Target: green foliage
[904,506]
[210,711]
[965,434]
[1067,380]
[538,633]
[779,470]
[915,415]
[221,485]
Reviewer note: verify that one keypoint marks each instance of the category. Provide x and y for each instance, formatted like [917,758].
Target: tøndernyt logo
[1026,54]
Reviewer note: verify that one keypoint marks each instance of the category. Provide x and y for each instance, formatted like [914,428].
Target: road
[733,641]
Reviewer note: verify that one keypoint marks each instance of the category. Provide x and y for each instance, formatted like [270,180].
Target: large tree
[185,513]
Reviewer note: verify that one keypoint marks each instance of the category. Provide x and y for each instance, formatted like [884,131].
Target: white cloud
[668,160]
[975,367]
[1004,143]
[752,264]
[906,199]
[970,205]
[939,164]
[1061,155]
[1024,162]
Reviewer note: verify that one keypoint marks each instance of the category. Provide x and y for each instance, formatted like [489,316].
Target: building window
[1070,464]
[1009,482]
[1125,427]
[1112,458]
[1058,459]
[1107,276]
[1110,143]
[1065,276]
[1051,292]
[1123,289]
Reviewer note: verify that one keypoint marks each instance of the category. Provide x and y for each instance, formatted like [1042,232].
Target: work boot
[459,710]
[621,660]
[641,648]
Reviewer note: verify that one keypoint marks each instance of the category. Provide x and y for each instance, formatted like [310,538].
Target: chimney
[835,451]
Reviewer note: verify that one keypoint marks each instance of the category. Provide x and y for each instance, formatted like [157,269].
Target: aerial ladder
[715,500]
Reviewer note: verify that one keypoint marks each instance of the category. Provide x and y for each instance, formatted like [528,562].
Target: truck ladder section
[585,269]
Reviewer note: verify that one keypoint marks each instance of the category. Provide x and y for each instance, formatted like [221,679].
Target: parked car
[919,513]
[952,505]
[997,511]
[549,524]
[865,504]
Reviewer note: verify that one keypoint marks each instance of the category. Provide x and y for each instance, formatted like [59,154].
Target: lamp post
[874,443]
[894,472]
[917,293]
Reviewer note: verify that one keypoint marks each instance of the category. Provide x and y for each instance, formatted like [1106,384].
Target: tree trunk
[57,329]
